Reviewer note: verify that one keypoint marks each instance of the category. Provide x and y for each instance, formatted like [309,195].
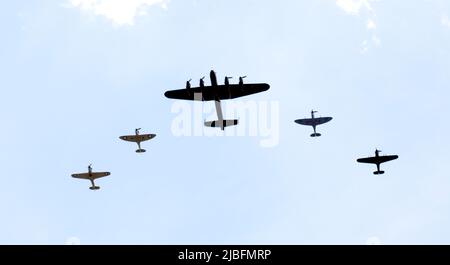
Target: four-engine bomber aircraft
[138,138]
[314,122]
[217,93]
[377,160]
[91,176]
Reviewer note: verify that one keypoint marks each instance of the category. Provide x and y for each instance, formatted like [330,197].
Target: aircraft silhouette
[314,122]
[217,93]
[138,138]
[377,160]
[91,176]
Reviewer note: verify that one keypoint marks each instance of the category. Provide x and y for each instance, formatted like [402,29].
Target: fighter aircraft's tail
[217,123]
[378,172]
[94,188]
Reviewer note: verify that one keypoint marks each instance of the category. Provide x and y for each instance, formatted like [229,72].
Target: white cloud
[371,24]
[445,21]
[354,6]
[120,12]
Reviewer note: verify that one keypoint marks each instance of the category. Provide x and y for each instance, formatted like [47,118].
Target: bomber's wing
[223,92]
[370,160]
[93,175]
[383,159]
[194,93]
[237,91]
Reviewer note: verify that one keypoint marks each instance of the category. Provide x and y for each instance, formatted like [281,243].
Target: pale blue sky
[74,79]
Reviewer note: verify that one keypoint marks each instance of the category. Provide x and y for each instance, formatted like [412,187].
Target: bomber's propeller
[188,84]
[226,79]
[202,83]
[241,79]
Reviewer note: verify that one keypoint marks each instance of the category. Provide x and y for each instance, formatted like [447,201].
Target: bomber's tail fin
[217,124]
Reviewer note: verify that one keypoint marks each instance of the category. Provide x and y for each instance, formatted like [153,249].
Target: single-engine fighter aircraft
[138,138]
[377,160]
[217,93]
[91,176]
[314,122]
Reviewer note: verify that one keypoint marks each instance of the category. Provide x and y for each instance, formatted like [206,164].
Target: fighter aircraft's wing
[138,138]
[223,92]
[370,160]
[94,175]
[387,158]
[314,122]
[377,160]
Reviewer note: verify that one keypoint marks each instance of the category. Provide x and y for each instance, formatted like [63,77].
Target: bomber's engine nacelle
[241,80]
[188,84]
[202,83]
[227,80]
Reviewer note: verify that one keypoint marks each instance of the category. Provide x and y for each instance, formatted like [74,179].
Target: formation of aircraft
[91,176]
[314,122]
[138,138]
[377,160]
[218,93]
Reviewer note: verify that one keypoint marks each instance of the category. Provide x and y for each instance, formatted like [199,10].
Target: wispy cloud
[362,8]
[354,6]
[445,21]
[120,12]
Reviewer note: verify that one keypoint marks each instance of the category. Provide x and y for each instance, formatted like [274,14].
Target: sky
[77,74]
